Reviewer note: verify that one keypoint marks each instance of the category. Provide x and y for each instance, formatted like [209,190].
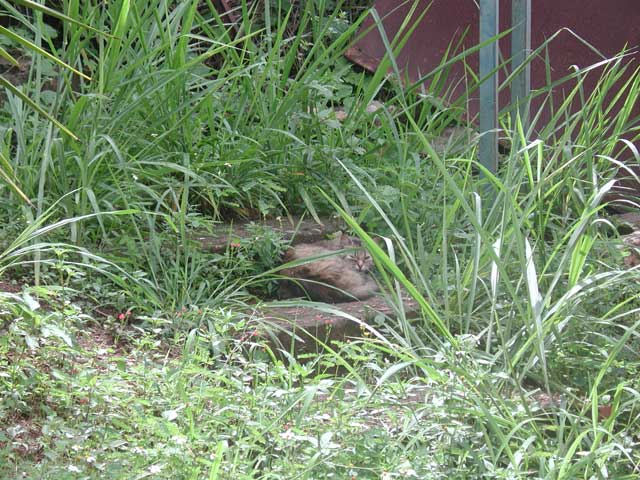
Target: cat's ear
[336,241]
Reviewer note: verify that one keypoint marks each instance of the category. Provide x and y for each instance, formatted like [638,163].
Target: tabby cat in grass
[335,277]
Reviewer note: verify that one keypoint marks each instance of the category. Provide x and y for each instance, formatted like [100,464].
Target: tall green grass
[530,274]
[189,120]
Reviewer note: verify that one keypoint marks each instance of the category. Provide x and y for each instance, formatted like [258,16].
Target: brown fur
[342,277]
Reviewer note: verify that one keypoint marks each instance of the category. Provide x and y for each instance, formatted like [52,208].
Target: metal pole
[520,49]
[489,14]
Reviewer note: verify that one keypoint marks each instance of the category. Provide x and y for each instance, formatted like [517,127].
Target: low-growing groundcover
[138,407]
[126,351]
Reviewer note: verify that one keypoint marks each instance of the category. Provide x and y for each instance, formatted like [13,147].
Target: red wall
[609,25]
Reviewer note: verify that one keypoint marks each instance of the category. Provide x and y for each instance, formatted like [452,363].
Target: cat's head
[361,260]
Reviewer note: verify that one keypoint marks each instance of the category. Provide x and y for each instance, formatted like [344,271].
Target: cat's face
[361,260]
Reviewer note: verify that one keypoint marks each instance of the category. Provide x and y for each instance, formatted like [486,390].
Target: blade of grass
[40,51]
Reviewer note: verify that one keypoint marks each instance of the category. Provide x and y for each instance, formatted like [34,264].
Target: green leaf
[25,98]
[579,257]
[31,342]
[56,14]
[121,25]
[6,172]
[40,51]
[7,56]
[31,302]
[55,331]
[309,204]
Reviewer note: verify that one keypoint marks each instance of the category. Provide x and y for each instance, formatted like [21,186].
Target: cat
[342,277]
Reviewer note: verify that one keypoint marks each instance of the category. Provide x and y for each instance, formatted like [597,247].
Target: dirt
[10,287]
[97,339]
[295,229]
[99,349]
[305,329]
[17,75]
[25,435]
[631,218]
[24,430]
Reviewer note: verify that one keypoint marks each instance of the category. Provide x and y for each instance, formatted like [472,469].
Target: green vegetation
[127,351]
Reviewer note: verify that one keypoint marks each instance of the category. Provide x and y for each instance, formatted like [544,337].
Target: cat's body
[340,277]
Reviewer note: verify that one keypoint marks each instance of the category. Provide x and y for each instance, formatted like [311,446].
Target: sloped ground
[306,329]
[295,229]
